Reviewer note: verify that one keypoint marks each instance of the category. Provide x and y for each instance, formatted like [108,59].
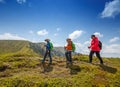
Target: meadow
[28,71]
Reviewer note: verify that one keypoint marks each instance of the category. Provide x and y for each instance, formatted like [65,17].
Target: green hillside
[16,48]
[29,72]
[9,46]
[21,48]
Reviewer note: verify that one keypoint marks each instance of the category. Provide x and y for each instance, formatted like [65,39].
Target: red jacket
[94,44]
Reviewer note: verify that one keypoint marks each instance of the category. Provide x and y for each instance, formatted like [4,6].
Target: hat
[47,39]
[93,35]
[68,39]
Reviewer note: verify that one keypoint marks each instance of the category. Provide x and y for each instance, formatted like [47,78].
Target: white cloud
[75,34]
[8,36]
[42,32]
[87,42]
[57,44]
[2,1]
[114,39]
[21,1]
[112,49]
[111,9]
[98,34]
[82,47]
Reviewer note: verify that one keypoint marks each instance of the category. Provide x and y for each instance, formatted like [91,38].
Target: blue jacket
[48,46]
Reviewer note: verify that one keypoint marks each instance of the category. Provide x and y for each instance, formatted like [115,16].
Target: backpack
[73,47]
[100,45]
[51,46]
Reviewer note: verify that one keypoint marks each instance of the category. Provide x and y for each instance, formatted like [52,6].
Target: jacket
[48,46]
[69,46]
[94,44]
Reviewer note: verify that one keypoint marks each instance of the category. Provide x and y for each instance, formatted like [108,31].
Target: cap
[68,39]
[47,39]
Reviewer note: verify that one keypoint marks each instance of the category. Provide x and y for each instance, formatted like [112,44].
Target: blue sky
[35,20]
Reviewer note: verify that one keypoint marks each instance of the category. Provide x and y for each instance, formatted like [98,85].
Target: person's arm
[91,44]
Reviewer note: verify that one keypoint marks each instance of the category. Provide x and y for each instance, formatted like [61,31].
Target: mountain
[59,51]
[25,48]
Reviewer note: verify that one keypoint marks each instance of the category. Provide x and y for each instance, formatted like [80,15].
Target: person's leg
[99,57]
[70,56]
[44,57]
[50,56]
[67,57]
[90,56]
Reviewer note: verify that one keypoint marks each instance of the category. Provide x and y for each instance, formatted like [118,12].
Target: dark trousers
[97,54]
[68,55]
[48,52]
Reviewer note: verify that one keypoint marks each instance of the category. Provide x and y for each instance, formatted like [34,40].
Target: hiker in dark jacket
[48,51]
[94,47]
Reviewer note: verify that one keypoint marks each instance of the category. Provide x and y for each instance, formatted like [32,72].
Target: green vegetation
[17,48]
[29,72]
[20,66]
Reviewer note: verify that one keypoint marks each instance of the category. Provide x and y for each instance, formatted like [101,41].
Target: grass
[29,72]
[17,48]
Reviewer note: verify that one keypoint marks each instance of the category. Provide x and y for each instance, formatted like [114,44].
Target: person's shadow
[108,69]
[46,67]
[74,69]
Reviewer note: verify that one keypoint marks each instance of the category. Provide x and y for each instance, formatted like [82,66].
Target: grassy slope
[19,48]
[16,48]
[29,72]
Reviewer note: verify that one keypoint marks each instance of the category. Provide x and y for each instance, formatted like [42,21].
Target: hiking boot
[67,65]
[50,63]
[42,61]
[70,63]
[101,63]
[90,62]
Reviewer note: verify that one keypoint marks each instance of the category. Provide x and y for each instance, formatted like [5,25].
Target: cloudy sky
[35,20]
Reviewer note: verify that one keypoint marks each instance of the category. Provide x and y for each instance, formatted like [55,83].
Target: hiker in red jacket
[94,49]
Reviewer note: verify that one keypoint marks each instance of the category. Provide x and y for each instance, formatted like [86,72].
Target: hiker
[94,47]
[49,47]
[69,48]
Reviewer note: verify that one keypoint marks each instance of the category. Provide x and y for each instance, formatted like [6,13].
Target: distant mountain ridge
[22,47]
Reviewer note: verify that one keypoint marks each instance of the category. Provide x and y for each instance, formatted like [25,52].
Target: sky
[36,20]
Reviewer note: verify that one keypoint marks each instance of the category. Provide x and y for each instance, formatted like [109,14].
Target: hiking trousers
[97,54]
[48,52]
[68,55]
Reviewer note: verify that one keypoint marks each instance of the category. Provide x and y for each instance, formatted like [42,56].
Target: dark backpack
[100,45]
